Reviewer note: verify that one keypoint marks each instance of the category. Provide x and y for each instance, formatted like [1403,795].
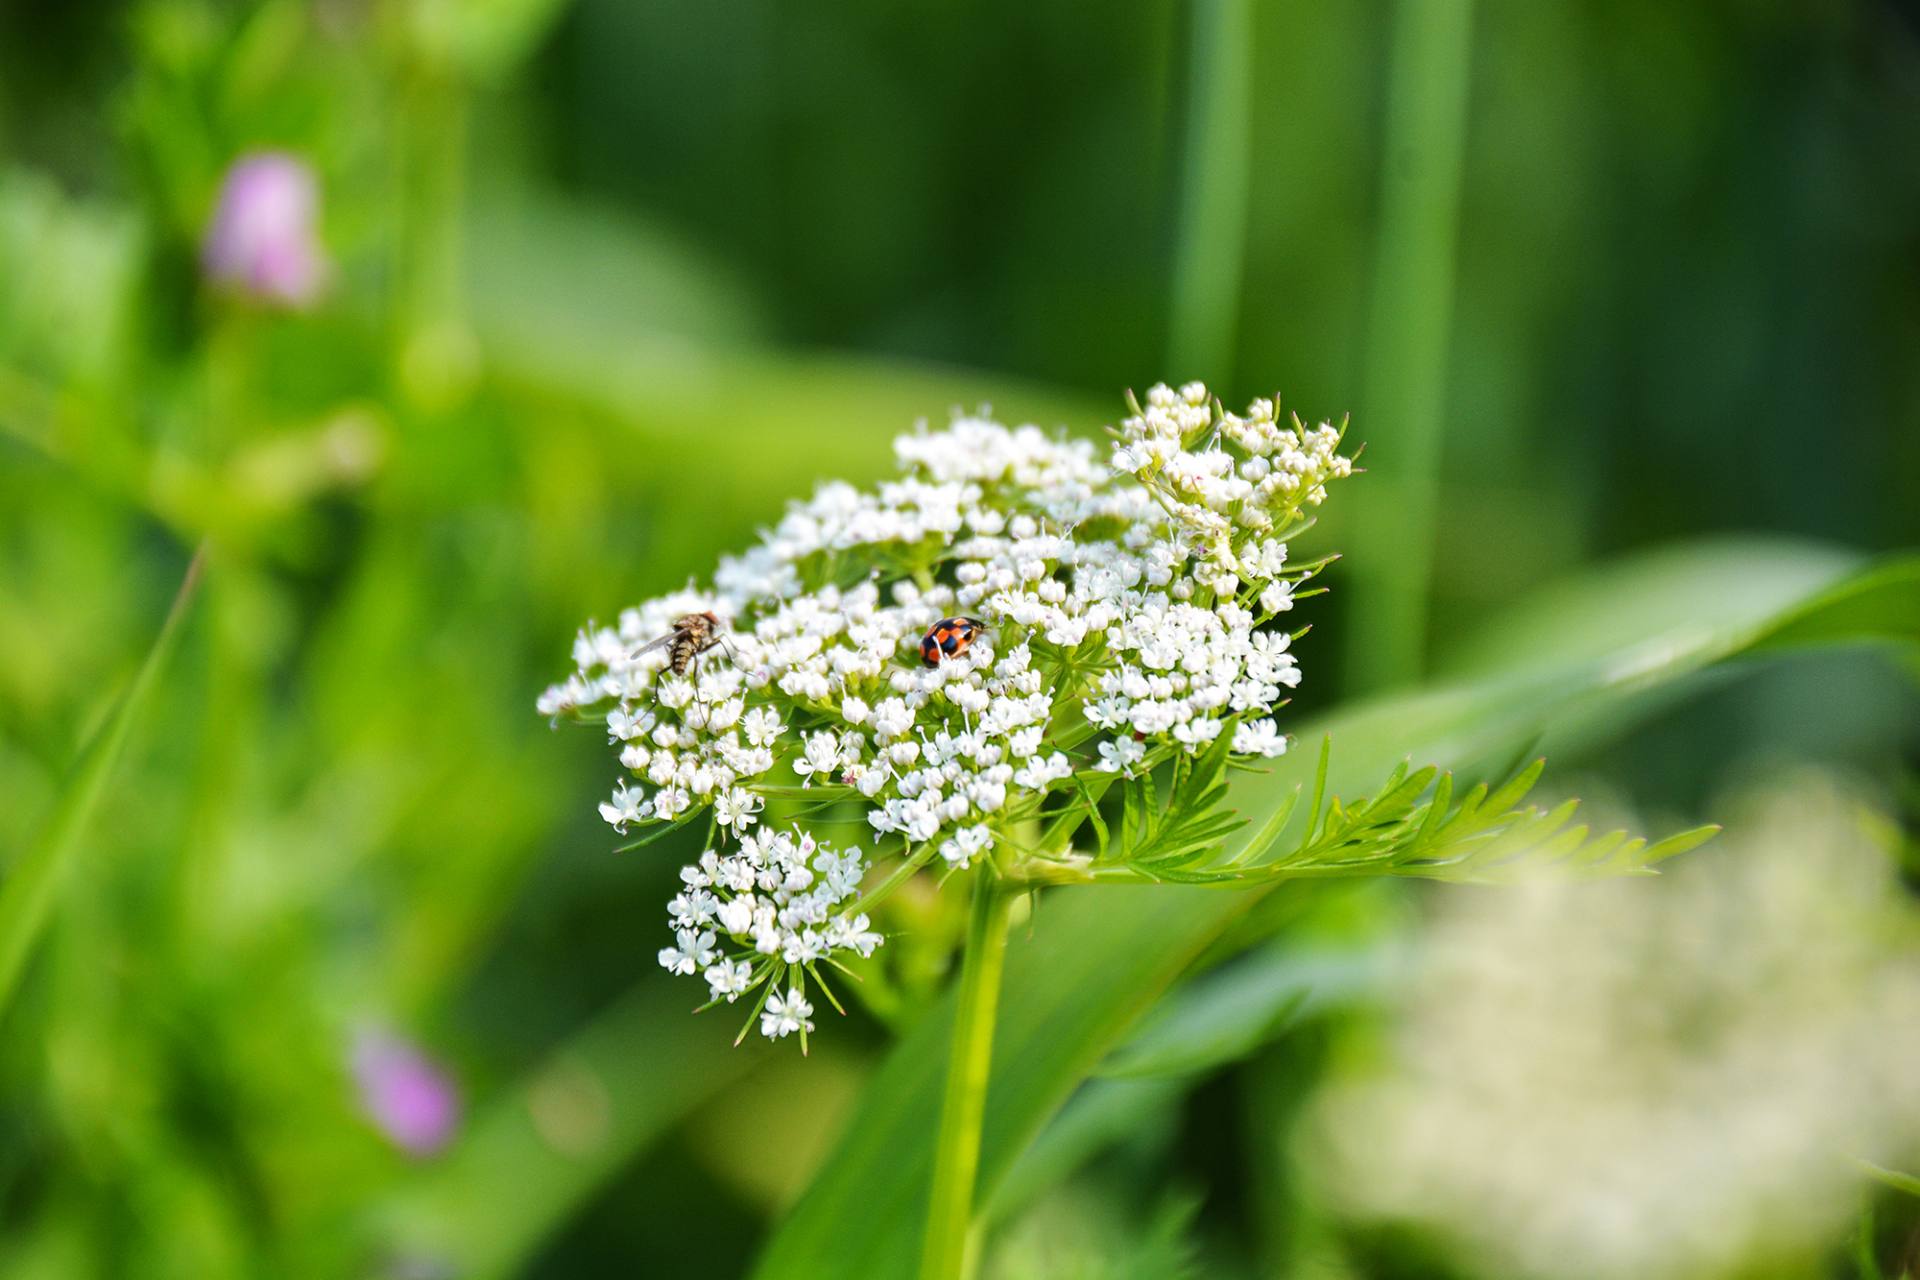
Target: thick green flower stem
[956,1160]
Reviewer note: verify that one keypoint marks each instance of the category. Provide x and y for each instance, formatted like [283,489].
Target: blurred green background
[608,281]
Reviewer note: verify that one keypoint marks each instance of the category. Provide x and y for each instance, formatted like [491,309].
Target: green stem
[909,863]
[956,1161]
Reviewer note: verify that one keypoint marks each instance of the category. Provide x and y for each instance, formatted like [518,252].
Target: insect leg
[693,674]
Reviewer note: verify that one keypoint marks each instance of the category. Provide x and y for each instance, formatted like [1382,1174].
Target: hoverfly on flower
[692,635]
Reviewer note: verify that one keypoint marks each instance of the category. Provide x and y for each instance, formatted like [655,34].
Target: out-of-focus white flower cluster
[1124,610]
[1660,1079]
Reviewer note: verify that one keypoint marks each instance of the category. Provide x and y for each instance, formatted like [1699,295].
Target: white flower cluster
[1649,1079]
[1108,612]
[769,907]
[686,740]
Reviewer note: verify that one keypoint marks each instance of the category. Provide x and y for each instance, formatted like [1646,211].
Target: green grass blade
[32,884]
[1408,335]
[1216,178]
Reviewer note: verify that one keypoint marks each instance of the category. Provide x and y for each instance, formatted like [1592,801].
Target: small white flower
[1041,773]
[1259,738]
[762,726]
[736,916]
[690,951]
[729,979]
[892,718]
[854,935]
[629,804]
[786,1014]
[737,808]
[623,725]
[822,757]
[966,844]
[1119,755]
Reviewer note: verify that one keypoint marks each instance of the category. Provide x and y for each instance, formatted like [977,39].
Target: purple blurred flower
[408,1096]
[262,239]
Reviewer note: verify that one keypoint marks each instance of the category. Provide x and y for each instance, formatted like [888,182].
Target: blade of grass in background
[33,882]
[1391,545]
[1214,182]
[1100,958]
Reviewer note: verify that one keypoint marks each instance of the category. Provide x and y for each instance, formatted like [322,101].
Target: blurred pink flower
[262,239]
[409,1097]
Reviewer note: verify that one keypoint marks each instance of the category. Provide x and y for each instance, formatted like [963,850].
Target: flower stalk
[956,1159]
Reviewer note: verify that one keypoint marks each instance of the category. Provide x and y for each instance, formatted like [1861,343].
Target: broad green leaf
[535,1156]
[1098,1116]
[1100,957]
[1225,1015]
[32,883]
[1214,1020]
[1637,601]
[1882,602]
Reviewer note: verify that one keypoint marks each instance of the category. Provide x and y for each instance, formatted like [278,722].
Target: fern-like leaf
[1413,825]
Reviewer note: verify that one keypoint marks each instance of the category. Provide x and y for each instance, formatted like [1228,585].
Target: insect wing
[661,643]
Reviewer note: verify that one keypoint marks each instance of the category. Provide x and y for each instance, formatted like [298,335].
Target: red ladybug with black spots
[949,638]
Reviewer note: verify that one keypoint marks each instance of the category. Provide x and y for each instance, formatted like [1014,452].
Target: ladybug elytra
[949,638]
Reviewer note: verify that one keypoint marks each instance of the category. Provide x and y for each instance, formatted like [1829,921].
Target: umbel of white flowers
[1125,608]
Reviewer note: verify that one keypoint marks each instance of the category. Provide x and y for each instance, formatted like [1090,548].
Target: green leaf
[1882,603]
[1678,843]
[32,883]
[1101,1114]
[1227,1014]
[1485,837]
[1100,957]
[1616,607]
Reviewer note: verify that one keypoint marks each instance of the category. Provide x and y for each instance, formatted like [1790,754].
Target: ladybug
[948,639]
